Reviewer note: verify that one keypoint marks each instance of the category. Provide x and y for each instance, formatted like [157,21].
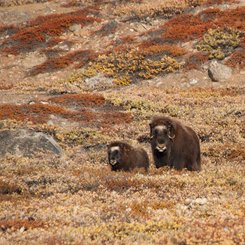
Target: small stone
[201,201]
[75,28]
[187,201]
[193,81]
[22,229]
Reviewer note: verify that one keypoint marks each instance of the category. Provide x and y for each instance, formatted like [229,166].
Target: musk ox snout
[161,147]
[122,156]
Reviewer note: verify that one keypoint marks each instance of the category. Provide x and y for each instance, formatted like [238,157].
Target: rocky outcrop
[26,142]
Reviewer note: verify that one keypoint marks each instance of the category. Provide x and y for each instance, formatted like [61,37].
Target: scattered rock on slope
[26,142]
[219,72]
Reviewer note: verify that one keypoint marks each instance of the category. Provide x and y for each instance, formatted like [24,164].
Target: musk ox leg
[194,167]
[177,163]
[160,159]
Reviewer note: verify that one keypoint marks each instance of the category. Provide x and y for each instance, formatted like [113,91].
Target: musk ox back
[122,156]
[174,144]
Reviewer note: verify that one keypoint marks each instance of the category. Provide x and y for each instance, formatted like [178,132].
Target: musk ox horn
[171,137]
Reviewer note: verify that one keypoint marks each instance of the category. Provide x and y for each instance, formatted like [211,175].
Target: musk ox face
[174,144]
[114,155]
[162,136]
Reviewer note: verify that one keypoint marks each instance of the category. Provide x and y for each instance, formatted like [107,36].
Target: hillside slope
[90,72]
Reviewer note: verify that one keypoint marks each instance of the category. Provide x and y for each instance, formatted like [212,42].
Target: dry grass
[76,198]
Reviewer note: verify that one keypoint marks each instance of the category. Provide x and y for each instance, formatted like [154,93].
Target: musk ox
[123,156]
[174,144]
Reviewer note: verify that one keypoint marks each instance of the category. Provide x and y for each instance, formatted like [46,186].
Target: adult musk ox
[123,156]
[174,144]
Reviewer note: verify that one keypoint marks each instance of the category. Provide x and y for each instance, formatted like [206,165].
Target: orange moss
[40,113]
[85,99]
[36,32]
[54,41]
[18,224]
[188,27]
[184,28]
[37,113]
[196,60]
[80,56]
[127,39]
[6,86]
[149,48]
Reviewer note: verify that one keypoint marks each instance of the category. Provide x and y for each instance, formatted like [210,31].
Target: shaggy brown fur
[174,144]
[123,156]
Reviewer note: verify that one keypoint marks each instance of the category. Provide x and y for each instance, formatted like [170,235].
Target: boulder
[219,72]
[26,143]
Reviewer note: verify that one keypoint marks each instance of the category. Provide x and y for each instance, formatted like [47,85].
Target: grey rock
[98,81]
[26,143]
[219,72]
[200,201]
[193,81]
[75,28]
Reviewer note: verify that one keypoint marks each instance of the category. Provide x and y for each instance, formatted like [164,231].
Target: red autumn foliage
[184,28]
[54,41]
[36,113]
[40,113]
[127,39]
[6,86]
[60,62]
[153,48]
[37,31]
[188,27]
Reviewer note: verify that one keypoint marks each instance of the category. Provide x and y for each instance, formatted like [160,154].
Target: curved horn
[171,137]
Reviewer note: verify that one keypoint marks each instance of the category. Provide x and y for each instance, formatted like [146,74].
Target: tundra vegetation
[127,45]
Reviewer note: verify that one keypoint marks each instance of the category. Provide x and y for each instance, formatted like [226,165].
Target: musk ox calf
[174,144]
[123,156]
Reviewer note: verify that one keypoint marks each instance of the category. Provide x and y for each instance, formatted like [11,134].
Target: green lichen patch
[127,67]
[219,43]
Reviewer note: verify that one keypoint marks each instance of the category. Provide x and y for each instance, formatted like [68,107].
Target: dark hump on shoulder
[163,120]
[124,146]
[190,131]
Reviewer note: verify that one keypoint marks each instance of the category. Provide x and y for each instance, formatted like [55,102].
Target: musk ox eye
[116,152]
[155,132]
